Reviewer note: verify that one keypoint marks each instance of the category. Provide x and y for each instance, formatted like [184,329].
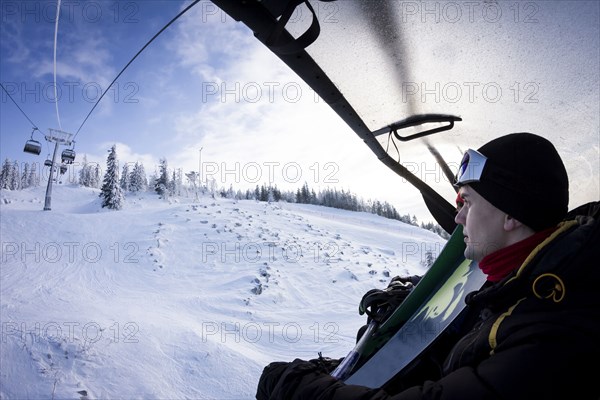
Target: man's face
[483,225]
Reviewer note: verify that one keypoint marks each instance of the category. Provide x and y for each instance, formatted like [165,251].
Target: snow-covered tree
[110,192]
[95,178]
[178,181]
[25,176]
[89,175]
[125,178]
[175,183]
[270,195]
[138,182]
[212,186]
[193,181]
[16,177]
[161,185]
[84,173]
[9,176]
[5,173]
[33,180]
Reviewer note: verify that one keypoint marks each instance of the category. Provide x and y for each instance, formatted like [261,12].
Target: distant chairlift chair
[68,156]
[33,146]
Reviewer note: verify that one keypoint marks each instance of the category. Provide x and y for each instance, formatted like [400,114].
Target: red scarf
[500,263]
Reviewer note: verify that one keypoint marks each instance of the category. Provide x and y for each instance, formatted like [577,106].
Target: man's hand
[379,304]
[279,378]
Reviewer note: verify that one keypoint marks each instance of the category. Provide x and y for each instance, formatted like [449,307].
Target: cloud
[256,121]
[125,154]
[13,44]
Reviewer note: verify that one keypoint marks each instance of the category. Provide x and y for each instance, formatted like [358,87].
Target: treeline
[12,178]
[115,184]
[329,197]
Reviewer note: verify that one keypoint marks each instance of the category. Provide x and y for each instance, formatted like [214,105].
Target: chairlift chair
[48,163]
[33,147]
[68,156]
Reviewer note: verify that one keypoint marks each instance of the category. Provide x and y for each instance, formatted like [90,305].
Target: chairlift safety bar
[262,18]
[419,120]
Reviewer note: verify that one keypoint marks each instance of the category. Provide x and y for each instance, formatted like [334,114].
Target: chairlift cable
[22,112]
[55,46]
[134,57]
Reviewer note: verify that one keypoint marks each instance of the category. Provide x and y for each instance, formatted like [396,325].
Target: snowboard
[384,350]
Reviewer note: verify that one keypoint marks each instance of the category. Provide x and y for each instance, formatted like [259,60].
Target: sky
[204,92]
[207,95]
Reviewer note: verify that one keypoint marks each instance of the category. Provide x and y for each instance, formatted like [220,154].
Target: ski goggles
[471,168]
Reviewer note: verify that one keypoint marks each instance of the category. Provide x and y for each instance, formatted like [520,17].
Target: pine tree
[15,178]
[192,177]
[230,194]
[5,174]
[175,183]
[125,178]
[32,179]
[138,179]
[313,197]
[25,176]
[276,194]
[89,176]
[264,195]
[95,179]
[178,181]
[270,195]
[161,186]
[110,192]
[84,173]
[133,180]
[257,193]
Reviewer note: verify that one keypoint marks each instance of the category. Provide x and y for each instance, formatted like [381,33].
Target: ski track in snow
[181,298]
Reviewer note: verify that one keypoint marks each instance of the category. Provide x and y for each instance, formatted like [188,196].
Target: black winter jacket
[537,335]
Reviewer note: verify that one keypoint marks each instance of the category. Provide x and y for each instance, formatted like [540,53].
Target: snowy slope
[181,298]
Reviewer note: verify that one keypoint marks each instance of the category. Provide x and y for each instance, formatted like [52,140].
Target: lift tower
[68,156]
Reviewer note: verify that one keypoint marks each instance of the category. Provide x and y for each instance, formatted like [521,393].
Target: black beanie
[525,178]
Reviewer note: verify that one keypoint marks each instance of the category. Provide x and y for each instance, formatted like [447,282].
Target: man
[510,189]
[533,331]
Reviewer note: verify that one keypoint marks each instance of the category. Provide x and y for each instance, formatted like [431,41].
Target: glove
[380,304]
[279,378]
[414,279]
[269,378]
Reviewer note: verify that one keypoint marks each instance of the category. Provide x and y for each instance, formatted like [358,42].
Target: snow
[182,298]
